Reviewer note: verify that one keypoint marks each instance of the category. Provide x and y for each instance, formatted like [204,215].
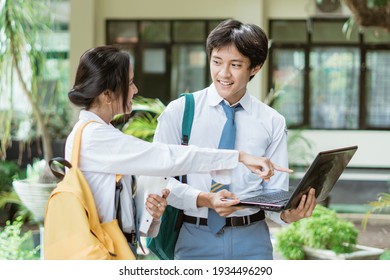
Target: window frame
[362,47]
[209,24]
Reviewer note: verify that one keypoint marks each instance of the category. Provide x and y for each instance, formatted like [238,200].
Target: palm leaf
[144,122]
[142,125]
[12,198]
[145,104]
[382,204]
[9,197]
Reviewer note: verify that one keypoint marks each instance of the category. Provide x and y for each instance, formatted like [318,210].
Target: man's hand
[305,208]
[222,202]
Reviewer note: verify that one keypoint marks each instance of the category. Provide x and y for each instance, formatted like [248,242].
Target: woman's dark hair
[249,39]
[101,68]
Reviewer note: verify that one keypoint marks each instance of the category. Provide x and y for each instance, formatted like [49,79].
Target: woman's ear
[107,97]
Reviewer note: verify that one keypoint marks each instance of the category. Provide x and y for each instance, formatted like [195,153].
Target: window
[378,88]
[169,56]
[334,87]
[288,78]
[327,80]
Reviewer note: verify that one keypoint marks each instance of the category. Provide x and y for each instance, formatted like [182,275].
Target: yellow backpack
[72,229]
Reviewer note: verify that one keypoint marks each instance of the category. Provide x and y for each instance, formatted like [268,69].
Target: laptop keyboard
[270,197]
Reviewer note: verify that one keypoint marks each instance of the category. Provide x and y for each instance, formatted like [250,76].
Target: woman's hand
[304,209]
[262,166]
[156,204]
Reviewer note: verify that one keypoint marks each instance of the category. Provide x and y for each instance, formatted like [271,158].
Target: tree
[370,13]
[21,55]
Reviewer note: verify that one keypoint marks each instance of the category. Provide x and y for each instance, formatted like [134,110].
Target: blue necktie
[227,141]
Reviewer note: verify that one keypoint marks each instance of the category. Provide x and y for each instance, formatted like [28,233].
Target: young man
[236,53]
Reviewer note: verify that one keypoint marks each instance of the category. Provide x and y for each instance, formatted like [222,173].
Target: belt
[230,221]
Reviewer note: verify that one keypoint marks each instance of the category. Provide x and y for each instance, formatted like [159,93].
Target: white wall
[82,26]
[290,9]
[373,146]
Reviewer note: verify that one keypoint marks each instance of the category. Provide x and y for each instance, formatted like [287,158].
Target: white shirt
[106,151]
[261,131]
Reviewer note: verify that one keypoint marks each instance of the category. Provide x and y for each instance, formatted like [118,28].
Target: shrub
[8,169]
[15,245]
[323,230]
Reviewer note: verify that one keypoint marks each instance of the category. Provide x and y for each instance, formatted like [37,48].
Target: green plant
[11,198]
[323,230]
[16,245]
[10,201]
[142,125]
[378,206]
[10,204]
[34,170]
[385,255]
[8,169]
[143,122]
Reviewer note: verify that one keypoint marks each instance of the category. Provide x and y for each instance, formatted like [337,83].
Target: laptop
[322,175]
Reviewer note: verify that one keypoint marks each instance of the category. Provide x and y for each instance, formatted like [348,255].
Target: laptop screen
[323,173]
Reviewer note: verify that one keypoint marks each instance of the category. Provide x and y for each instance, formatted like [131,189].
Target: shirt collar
[89,116]
[214,98]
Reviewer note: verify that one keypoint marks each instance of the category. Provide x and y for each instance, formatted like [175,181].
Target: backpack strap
[75,154]
[55,169]
[75,163]
[188,117]
[118,189]
[77,143]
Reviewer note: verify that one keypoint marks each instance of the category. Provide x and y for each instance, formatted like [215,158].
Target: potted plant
[324,235]
[33,193]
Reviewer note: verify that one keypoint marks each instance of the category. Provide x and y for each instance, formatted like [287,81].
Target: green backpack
[163,245]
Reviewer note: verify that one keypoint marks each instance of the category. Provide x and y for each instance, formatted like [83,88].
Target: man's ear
[256,69]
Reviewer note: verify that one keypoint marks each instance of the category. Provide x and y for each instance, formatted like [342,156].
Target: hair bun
[76,97]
